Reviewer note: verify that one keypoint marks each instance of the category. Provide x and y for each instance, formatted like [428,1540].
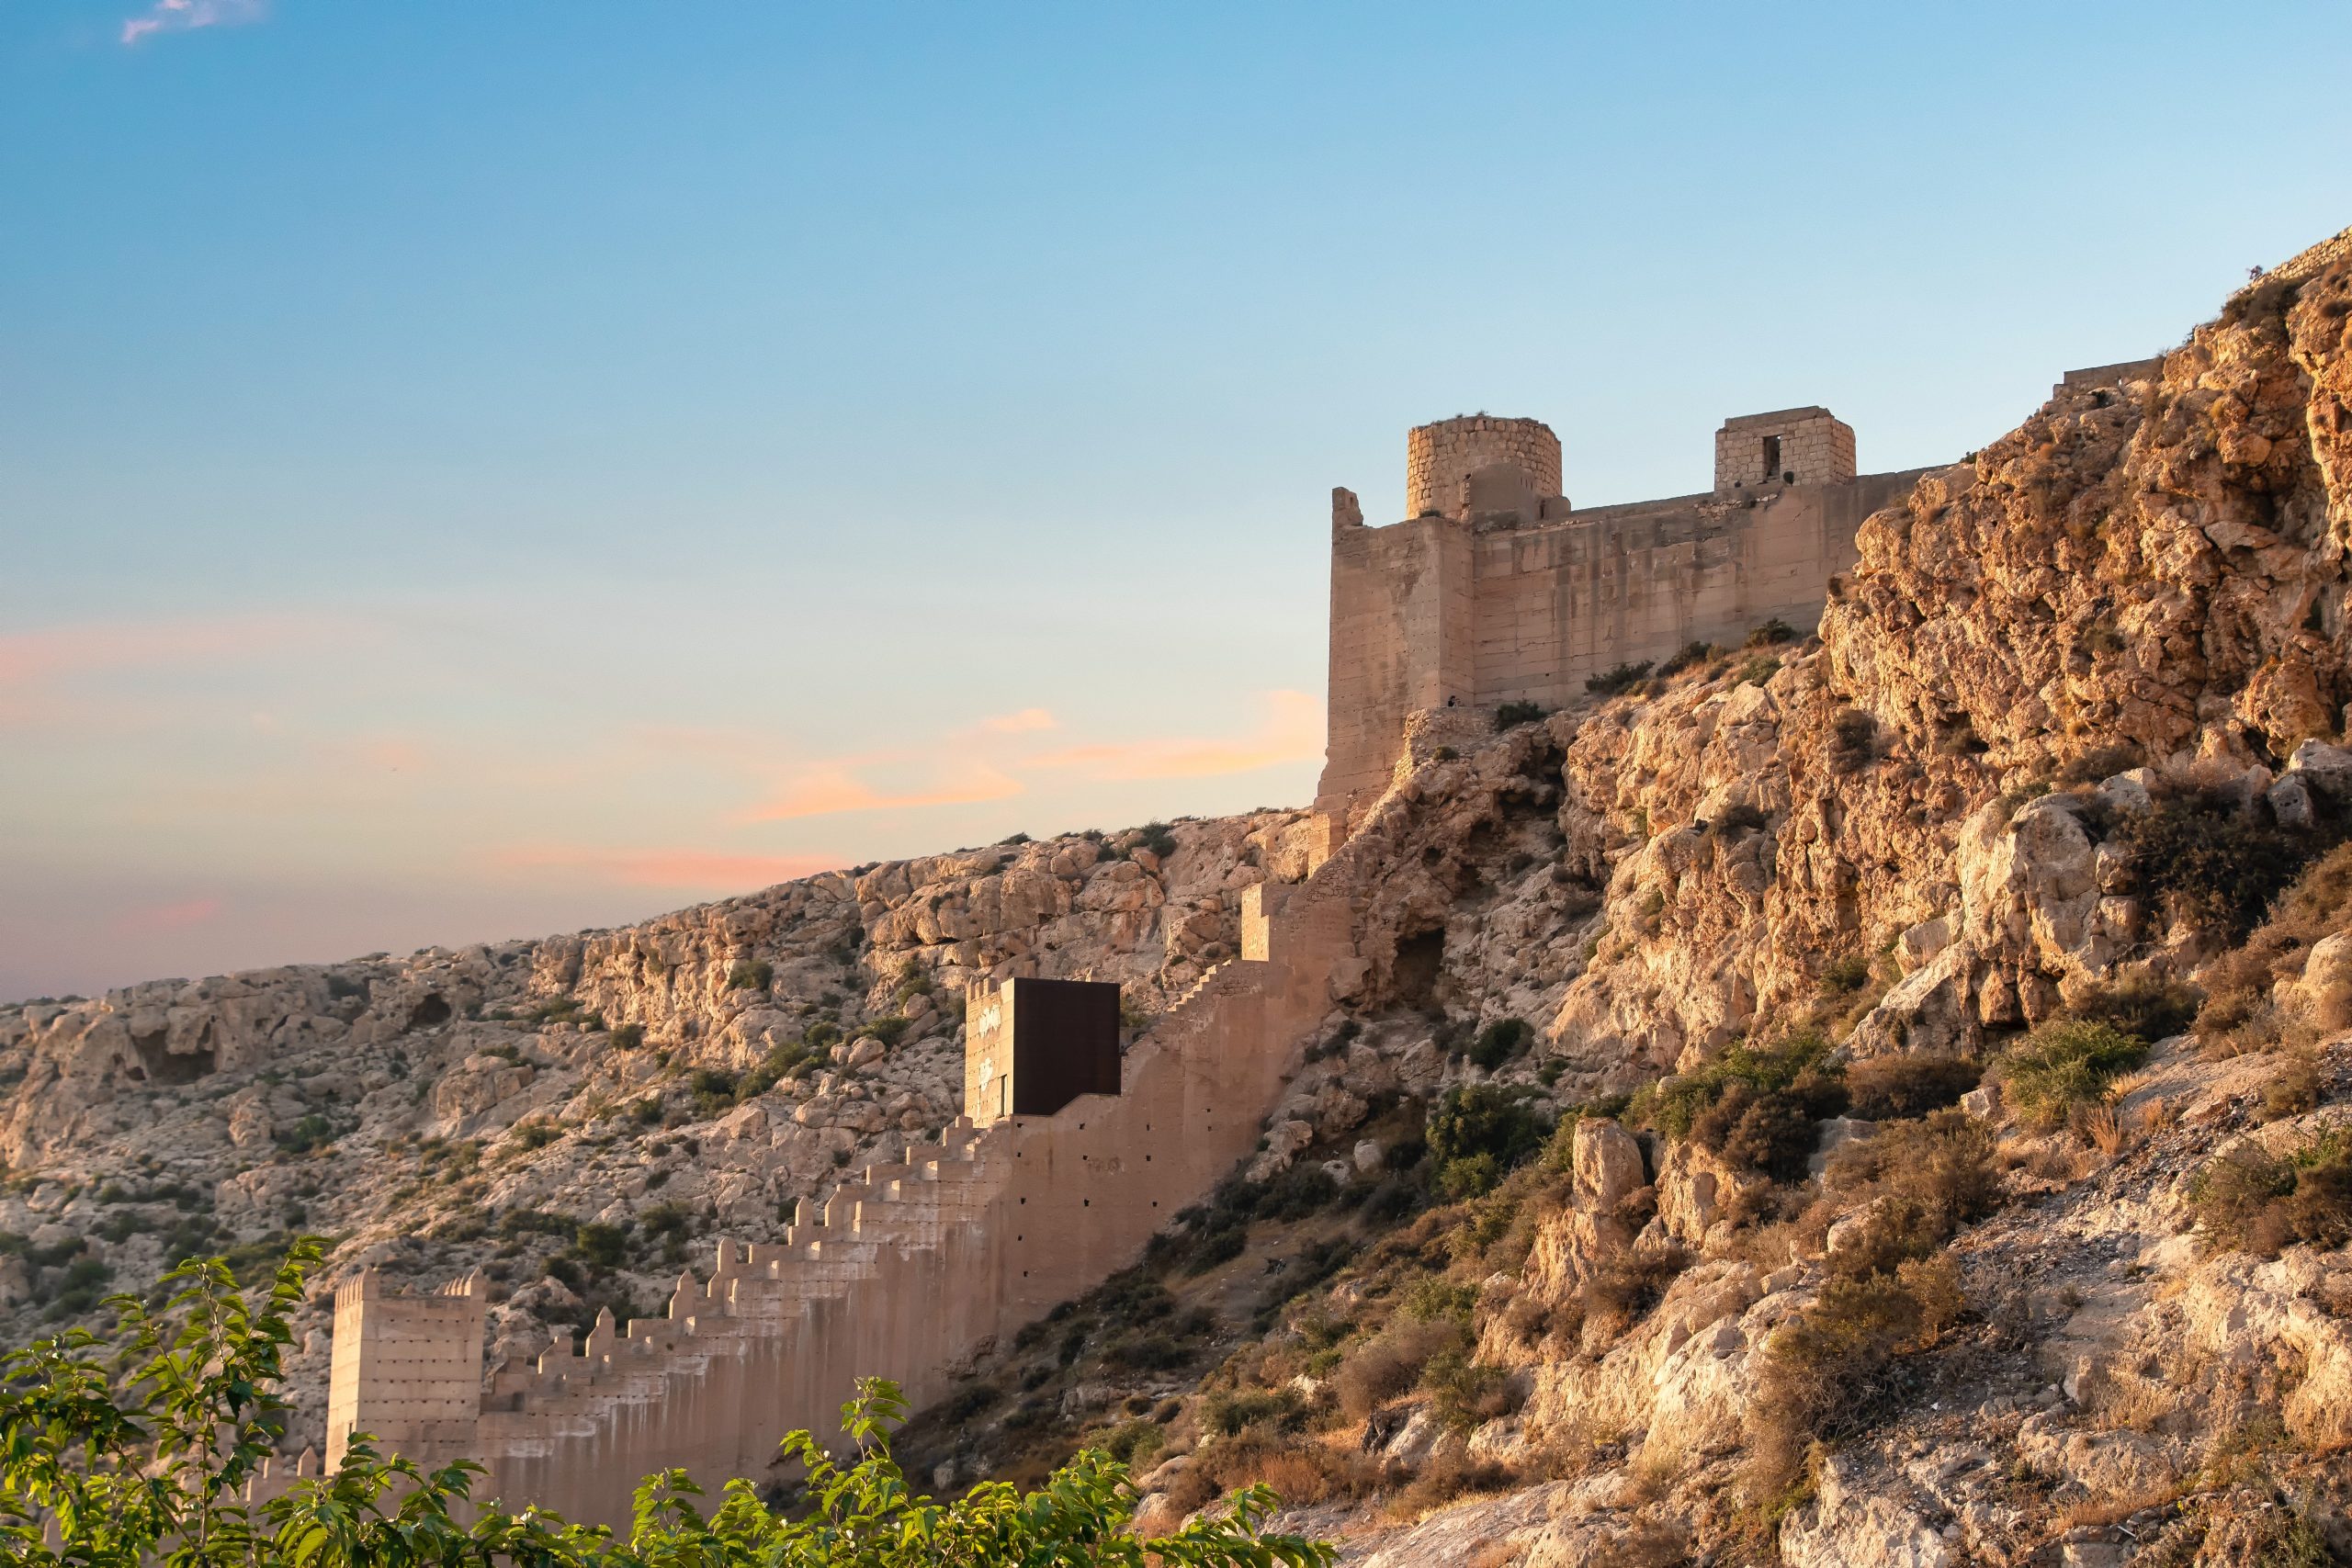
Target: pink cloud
[1292,731]
[1028,721]
[167,917]
[833,791]
[32,661]
[186,15]
[670,868]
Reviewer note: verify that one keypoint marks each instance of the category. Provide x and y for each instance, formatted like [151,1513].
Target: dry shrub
[1450,1473]
[2319,904]
[1939,1167]
[2141,1004]
[1897,1088]
[1390,1362]
[2292,1089]
[1300,1471]
[2253,1200]
[1643,1546]
[1825,1375]
[2067,1066]
[1623,1290]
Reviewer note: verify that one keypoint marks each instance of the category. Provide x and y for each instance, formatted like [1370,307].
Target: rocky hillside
[1875,1097]
[569,1114]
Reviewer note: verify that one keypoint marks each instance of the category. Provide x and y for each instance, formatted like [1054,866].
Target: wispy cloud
[167,917]
[32,661]
[1292,731]
[698,869]
[187,15]
[1028,721]
[833,791]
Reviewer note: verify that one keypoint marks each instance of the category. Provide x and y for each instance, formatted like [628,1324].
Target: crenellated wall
[1476,604]
[906,1271]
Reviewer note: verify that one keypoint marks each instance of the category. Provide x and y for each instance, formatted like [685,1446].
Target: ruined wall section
[1804,446]
[1555,605]
[1432,613]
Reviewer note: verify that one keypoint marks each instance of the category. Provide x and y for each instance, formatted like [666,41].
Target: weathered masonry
[903,1270]
[1497,590]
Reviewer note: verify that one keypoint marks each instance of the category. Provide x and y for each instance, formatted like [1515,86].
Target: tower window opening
[1771,456]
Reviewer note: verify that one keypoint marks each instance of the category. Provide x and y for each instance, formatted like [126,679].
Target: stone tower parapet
[1448,464]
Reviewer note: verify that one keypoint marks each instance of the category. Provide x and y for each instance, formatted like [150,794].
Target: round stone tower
[1441,457]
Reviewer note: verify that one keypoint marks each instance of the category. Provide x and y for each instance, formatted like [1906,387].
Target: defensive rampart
[1499,590]
[902,1273]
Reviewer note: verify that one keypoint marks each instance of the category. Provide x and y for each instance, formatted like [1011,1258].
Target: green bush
[1511,715]
[2143,1006]
[601,1245]
[2066,1067]
[1479,1120]
[628,1036]
[750,975]
[1771,633]
[1617,678]
[1896,1088]
[1690,654]
[153,1470]
[1500,1041]
[1799,1064]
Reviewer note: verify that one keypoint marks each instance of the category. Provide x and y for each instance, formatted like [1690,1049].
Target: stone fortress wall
[1497,590]
[902,1272]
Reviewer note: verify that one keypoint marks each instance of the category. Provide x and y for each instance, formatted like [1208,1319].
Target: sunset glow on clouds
[168,916]
[687,869]
[1292,732]
[951,774]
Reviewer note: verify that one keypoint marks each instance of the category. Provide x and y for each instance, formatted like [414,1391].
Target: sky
[470,470]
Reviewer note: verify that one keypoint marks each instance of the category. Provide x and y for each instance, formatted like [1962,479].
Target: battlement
[1496,590]
[906,1268]
[1477,464]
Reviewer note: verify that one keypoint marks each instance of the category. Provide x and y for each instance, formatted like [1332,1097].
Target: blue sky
[468,470]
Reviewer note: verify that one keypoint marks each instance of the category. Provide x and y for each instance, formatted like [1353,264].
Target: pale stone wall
[1806,447]
[987,1055]
[1444,612]
[1439,459]
[2308,261]
[911,1266]
[406,1369]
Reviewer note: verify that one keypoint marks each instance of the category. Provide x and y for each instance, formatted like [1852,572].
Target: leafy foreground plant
[155,1473]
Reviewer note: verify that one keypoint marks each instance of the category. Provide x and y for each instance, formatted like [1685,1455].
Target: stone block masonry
[1495,590]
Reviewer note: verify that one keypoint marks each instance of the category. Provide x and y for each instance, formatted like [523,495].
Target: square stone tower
[407,1370]
[1788,446]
